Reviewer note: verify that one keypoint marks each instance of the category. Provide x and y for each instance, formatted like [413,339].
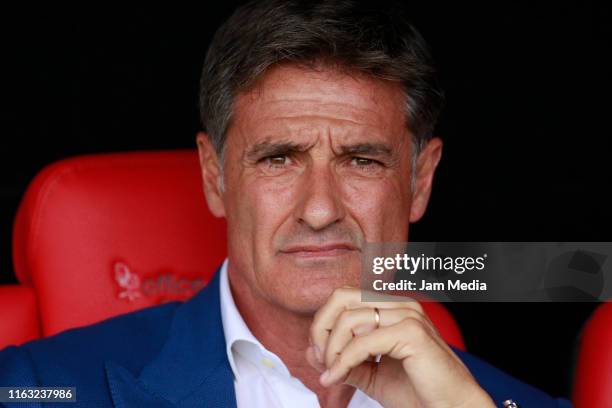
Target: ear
[211,175]
[426,166]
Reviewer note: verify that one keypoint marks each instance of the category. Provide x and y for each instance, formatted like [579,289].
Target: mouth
[319,251]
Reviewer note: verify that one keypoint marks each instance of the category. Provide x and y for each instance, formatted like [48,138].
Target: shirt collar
[238,337]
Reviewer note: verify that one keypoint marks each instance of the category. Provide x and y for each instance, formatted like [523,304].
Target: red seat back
[18,315]
[106,234]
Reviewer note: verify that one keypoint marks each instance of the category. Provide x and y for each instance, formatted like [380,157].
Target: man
[318,119]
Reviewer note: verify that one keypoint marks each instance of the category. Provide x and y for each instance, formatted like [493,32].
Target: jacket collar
[191,368]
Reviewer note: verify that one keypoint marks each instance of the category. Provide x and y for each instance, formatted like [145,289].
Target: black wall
[526,130]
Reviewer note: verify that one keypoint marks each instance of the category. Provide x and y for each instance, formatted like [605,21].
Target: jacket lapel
[192,367]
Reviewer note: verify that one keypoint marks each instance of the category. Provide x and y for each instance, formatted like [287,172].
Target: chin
[304,289]
[304,301]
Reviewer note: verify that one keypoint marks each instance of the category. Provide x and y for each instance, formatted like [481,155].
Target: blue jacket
[172,355]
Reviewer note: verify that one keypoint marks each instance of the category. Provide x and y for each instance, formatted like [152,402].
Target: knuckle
[413,314]
[343,291]
[414,305]
[415,327]
[343,321]
[344,315]
[336,294]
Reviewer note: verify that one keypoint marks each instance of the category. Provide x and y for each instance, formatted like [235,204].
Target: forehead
[293,96]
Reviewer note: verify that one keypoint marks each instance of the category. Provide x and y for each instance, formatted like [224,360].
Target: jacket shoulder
[76,356]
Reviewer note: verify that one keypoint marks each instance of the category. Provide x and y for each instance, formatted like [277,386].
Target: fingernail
[318,354]
[324,377]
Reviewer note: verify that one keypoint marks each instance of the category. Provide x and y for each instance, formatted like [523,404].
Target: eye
[366,167]
[364,162]
[277,161]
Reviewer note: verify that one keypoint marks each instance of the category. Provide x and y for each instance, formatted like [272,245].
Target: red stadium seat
[100,235]
[19,317]
[593,378]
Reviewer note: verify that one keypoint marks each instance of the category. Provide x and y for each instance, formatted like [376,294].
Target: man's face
[316,164]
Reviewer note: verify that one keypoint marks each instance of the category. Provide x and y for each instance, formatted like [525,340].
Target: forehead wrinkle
[279,103]
[323,82]
[307,126]
[302,132]
[319,118]
[294,108]
[291,112]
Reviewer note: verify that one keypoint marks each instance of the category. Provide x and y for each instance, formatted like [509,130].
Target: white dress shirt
[261,379]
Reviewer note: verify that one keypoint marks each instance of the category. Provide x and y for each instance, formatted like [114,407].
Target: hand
[417,368]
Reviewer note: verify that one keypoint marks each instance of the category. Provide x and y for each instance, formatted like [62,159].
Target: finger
[359,322]
[344,330]
[399,341]
[363,377]
[346,299]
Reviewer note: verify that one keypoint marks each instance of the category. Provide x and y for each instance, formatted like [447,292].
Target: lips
[311,251]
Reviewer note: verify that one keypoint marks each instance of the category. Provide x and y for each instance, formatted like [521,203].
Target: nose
[320,204]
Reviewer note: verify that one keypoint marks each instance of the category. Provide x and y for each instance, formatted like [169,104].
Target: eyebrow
[267,148]
[282,147]
[371,149]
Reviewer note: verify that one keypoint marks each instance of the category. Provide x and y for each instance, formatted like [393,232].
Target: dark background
[526,131]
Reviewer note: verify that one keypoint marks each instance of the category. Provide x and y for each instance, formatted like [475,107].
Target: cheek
[271,202]
[380,207]
[258,208]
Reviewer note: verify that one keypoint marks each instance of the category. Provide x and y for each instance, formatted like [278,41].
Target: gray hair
[371,37]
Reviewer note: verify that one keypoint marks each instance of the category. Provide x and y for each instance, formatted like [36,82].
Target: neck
[285,334]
